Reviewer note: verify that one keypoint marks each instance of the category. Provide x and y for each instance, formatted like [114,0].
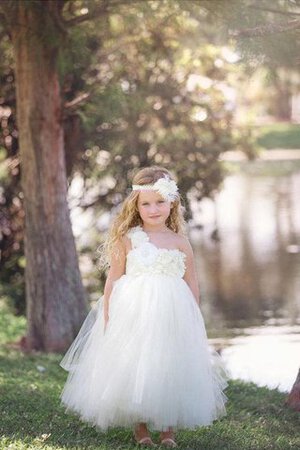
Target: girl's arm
[116,270]
[190,276]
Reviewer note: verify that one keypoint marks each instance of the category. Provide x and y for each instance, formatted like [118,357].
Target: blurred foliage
[262,31]
[262,34]
[142,82]
[155,100]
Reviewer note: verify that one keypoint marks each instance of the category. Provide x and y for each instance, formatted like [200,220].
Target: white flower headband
[167,188]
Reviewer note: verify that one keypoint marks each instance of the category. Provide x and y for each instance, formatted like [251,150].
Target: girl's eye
[144,204]
[161,201]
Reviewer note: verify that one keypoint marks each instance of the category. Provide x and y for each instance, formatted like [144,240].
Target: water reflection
[266,356]
[251,275]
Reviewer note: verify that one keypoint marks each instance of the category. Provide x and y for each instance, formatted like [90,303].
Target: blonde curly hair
[129,217]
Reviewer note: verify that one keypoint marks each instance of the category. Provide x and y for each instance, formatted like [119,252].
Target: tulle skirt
[151,364]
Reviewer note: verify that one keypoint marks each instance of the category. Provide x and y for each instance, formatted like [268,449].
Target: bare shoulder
[126,243]
[118,258]
[182,243]
[120,246]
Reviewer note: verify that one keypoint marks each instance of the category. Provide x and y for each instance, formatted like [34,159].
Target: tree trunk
[55,298]
[294,397]
[282,102]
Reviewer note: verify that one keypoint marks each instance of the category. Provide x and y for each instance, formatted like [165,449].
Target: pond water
[249,272]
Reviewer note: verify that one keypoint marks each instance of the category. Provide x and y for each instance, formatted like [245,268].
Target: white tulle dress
[153,363]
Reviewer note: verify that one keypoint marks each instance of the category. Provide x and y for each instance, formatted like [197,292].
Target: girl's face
[153,208]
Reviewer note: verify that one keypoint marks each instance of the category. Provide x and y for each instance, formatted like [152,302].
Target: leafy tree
[39,31]
[56,303]
[157,98]
[127,100]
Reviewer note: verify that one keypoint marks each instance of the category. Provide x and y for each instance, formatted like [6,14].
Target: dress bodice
[145,257]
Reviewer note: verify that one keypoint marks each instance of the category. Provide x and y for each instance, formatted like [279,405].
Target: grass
[279,135]
[32,417]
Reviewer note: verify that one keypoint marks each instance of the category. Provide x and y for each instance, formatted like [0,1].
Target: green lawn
[279,135]
[32,418]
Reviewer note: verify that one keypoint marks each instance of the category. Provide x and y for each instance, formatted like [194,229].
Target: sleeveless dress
[152,363]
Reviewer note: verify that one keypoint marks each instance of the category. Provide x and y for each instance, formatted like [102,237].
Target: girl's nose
[153,209]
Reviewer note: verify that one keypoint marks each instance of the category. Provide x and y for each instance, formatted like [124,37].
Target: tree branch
[274,10]
[89,15]
[73,103]
[103,9]
[271,28]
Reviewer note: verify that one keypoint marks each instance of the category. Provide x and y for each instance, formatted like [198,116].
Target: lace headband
[167,188]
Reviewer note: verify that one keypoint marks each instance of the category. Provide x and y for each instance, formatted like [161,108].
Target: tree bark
[283,105]
[294,397]
[55,298]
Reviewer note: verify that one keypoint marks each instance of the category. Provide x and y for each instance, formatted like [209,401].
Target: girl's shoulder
[184,244]
[134,237]
[134,230]
[180,241]
[122,245]
[126,242]
[180,237]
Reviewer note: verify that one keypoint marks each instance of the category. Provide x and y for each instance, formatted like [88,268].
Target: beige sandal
[146,441]
[169,442]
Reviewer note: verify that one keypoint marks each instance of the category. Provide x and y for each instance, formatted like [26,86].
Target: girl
[141,358]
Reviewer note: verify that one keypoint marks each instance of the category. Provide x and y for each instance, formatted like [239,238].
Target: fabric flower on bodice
[171,262]
[147,254]
[137,236]
[147,258]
